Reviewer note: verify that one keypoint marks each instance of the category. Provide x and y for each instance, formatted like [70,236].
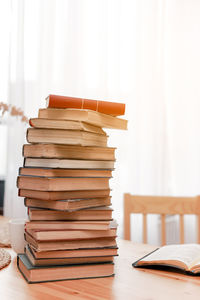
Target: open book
[185,257]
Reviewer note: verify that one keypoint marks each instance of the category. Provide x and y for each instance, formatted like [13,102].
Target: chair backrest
[163,206]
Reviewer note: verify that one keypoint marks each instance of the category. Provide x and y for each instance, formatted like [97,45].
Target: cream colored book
[68,163]
[65,124]
[84,115]
[185,257]
[66,137]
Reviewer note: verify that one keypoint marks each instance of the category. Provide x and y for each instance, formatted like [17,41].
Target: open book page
[186,253]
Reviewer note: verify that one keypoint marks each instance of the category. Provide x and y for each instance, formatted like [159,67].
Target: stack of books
[70,233]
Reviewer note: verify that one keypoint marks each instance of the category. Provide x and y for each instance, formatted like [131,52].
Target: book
[68,225]
[185,257]
[75,253]
[64,261]
[44,172]
[88,116]
[68,163]
[61,183]
[67,205]
[63,195]
[88,214]
[36,274]
[68,151]
[69,244]
[65,124]
[66,235]
[69,137]
[106,107]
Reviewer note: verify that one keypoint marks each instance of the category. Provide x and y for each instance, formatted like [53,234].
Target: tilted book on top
[106,107]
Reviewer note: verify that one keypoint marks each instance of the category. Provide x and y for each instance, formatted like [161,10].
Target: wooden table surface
[128,283]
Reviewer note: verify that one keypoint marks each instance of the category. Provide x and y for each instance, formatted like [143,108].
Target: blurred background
[144,53]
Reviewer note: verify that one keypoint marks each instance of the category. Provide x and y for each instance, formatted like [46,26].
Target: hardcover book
[88,214]
[38,274]
[63,195]
[70,244]
[68,152]
[65,261]
[68,137]
[68,163]
[47,172]
[67,205]
[61,183]
[65,125]
[106,107]
[88,116]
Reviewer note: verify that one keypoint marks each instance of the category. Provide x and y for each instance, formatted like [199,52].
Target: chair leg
[163,230]
[198,229]
[181,224]
[127,225]
[145,228]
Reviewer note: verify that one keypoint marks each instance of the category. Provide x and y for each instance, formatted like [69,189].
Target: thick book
[63,195]
[106,107]
[61,183]
[66,235]
[69,244]
[68,137]
[88,214]
[65,124]
[36,274]
[75,253]
[68,151]
[68,225]
[67,205]
[185,257]
[64,261]
[47,172]
[88,116]
[68,163]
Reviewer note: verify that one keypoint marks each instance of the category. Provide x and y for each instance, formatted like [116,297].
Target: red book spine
[105,107]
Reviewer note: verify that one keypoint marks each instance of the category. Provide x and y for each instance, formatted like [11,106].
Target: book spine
[27,134]
[31,123]
[23,150]
[105,107]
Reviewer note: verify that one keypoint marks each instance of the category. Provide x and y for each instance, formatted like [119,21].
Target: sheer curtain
[144,53]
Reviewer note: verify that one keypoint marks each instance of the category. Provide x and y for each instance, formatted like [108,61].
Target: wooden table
[129,283]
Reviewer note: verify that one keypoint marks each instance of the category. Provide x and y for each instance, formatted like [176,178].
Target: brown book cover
[45,172]
[61,184]
[75,253]
[88,214]
[38,274]
[70,244]
[106,107]
[67,205]
[68,137]
[65,261]
[66,235]
[63,195]
[68,225]
[68,151]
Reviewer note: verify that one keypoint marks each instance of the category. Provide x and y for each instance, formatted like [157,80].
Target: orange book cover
[105,107]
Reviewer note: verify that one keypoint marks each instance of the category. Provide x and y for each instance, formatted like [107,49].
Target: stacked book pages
[70,233]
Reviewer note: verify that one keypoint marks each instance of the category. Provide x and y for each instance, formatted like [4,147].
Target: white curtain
[141,52]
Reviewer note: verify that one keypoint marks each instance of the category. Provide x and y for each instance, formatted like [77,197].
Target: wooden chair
[163,206]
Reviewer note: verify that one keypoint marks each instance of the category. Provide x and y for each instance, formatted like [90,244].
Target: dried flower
[13,110]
